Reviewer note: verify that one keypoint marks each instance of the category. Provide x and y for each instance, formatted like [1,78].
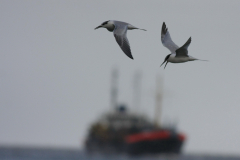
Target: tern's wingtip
[131,57]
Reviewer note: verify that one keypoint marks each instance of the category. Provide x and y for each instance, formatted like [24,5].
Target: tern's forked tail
[165,64]
[202,60]
[133,27]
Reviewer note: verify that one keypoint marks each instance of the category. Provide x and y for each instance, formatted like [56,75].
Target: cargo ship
[122,132]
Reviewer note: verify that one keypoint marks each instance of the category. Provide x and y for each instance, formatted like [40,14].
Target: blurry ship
[120,132]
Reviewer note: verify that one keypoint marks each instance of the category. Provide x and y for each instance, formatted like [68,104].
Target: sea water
[19,153]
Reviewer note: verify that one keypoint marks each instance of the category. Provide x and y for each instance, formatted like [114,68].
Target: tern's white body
[174,59]
[111,25]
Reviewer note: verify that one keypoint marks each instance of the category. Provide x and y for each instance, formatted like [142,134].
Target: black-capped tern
[119,30]
[178,55]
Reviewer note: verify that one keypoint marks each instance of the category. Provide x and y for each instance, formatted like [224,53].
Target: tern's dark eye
[104,22]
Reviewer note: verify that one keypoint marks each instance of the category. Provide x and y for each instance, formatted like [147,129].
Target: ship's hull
[155,147]
[152,142]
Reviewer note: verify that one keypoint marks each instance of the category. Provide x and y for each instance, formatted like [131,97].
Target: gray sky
[55,69]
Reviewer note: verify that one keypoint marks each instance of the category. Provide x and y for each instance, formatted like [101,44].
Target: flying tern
[119,30]
[178,55]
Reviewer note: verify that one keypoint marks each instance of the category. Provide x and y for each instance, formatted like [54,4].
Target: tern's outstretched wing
[166,39]
[120,34]
[182,51]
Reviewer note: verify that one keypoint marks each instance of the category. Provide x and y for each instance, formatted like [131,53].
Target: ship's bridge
[121,118]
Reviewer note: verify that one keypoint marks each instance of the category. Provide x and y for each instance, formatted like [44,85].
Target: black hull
[171,145]
[155,147]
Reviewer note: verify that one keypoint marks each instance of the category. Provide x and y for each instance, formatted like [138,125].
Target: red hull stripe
[148,136]
[181,137]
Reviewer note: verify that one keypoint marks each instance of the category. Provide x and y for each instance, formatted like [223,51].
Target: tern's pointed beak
[98,27]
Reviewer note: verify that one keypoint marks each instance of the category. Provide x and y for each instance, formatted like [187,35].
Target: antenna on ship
[158,105]
[114,89]
[137,90]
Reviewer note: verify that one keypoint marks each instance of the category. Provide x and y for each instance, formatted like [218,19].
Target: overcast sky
[55,69]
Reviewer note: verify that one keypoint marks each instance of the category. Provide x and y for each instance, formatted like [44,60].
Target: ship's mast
[158,107]
[137,90]
[114,89]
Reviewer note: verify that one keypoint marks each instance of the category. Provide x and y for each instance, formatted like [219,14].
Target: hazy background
[55,69]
